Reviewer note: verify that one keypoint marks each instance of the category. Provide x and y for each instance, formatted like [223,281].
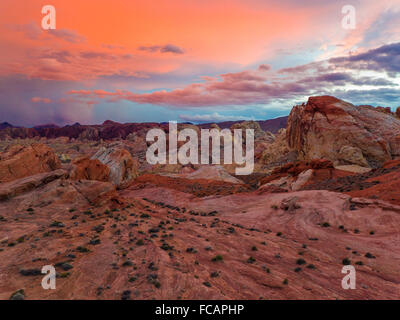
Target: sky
[192,60]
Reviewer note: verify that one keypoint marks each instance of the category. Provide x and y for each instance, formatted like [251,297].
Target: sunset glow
[172,60]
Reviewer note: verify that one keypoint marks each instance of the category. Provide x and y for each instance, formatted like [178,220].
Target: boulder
[19,161]
[89,169]
[123,168]
[302,179]
[290,204]
[323,126]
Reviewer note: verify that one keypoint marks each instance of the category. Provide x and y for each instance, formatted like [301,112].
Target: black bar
[232,309]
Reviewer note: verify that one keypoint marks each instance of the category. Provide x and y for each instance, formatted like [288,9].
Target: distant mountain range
[272,125]
[44,126]
[111,130]
[6,125]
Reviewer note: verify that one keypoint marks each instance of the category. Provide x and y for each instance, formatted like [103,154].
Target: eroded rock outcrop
[89,169]
[123,168]
[89,134]
[395,146]
[19,161]
[327,127]
[278,152]
[296,175]
[259,134]
[352,155]
[17,187]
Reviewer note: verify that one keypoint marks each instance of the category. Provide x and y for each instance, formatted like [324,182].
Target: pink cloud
[264,67]
[229,89]
[254,87]
[33,31]
[40,100]
[67,35]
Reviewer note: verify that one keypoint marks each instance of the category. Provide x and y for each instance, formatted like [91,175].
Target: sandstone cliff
[327,127]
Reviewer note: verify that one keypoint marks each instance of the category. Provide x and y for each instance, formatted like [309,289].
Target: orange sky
[175,44]
[209,31]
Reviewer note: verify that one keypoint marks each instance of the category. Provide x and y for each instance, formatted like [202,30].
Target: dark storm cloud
[385,58]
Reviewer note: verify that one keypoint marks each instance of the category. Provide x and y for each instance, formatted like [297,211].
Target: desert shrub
[251,260]
[369,255]
[217,258]
[82,249]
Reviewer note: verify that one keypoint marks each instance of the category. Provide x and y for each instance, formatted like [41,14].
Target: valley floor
[155,242]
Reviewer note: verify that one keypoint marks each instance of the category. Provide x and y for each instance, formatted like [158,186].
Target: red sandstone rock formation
[89,169]
[17,187]
[327,127]
[197,187]
[19,161]
[123,168]
[395,146]
[297,175]
[384,186]
[398,112]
